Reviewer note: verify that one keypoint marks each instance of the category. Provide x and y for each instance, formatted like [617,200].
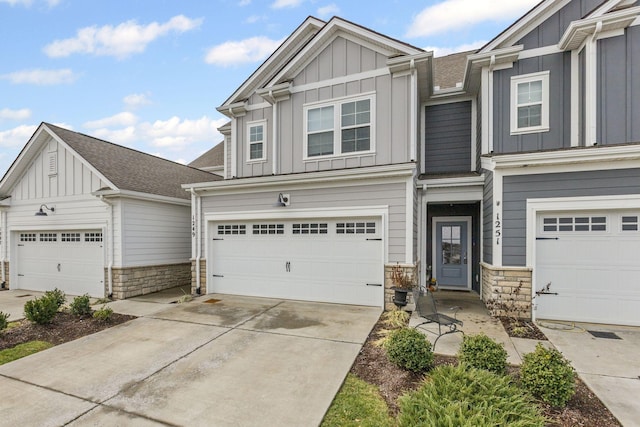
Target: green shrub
[80,306]
[41,310]
[4,321]
[481,352]
[548,376]
[463,396]
[103,314]
[409,349]
[58,296]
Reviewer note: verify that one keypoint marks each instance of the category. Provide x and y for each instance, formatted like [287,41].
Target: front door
[451,256]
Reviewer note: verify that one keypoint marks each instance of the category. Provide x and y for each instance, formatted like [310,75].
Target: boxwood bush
[81,306]
[41,310]
[464,396]
[481,352]
[548,376]
[409,349]
[4,320]
[58,296]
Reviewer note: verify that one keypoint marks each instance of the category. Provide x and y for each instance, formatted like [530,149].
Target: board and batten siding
[517,189]
[448,138]
[487,218]
[73,177]
[248,167]
[551,30]
[559,134]
[618,109]
[385,194]
[155,233]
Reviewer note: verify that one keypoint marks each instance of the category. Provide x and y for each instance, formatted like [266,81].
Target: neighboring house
[117,221]
[513,171]
[211,160]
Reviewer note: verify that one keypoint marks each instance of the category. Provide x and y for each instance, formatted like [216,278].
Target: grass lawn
[22,350]
[358,404]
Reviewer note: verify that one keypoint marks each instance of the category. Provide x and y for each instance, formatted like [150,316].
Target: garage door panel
[310,260]
[591,268]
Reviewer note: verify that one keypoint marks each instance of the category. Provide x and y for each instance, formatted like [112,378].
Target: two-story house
[511,170]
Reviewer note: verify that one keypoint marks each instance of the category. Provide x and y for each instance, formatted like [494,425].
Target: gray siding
[255,168]
[517,189]
[487,218]
[448,137]
[558,136]
[549,32]
[391,194]
[619,88]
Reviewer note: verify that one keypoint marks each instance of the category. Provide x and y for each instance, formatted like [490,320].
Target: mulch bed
[583,410]
[65,327]
[520,328]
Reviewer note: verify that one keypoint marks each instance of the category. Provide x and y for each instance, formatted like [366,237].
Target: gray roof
[132,170]
[211,158]
[449,70]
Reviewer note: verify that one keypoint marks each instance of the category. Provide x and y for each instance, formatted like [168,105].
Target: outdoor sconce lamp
[43,213]
[283,200]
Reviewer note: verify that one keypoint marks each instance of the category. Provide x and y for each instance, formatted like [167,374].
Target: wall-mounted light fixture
[283,200]
[43,213]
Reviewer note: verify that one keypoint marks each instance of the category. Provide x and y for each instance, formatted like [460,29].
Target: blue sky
[148,74]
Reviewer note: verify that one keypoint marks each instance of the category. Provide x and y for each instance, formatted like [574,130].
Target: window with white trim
[339,127]
[630,223]
[256,141]
[573,224]
[356,228]
[27,237]
[48,237]
[310,228]
[70,237]
[530,103]
[268,228]
[232,229]
[93,237]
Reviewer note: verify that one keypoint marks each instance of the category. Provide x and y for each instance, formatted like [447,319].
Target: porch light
[43,213]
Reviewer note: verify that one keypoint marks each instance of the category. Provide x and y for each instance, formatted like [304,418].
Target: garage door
[588,267]
[69,260]
[338,260]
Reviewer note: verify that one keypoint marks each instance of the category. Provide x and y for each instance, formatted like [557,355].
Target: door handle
[58,266]
[464,259]
[287,267]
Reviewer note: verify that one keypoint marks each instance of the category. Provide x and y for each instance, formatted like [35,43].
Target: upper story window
[339,127]
[256,136]
[530,103]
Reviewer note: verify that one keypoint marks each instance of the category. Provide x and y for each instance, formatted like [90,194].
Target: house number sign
[498,228]
[193,226]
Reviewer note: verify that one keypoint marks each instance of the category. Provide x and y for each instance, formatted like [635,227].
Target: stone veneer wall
[507,288]
[6,275]
[133,281]
[203,277]
[388,292]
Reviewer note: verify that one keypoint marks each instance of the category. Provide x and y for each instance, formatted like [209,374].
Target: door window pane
[451,245]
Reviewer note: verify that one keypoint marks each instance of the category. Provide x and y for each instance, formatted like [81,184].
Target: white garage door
[337,260]
[71,261]
[588,267]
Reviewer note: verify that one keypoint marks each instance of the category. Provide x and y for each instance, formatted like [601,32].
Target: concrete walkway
[609,367]
[218,360]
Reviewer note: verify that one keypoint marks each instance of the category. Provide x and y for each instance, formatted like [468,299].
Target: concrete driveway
[610,367]
[234,362]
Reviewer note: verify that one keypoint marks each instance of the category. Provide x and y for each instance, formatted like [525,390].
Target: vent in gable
[53,163]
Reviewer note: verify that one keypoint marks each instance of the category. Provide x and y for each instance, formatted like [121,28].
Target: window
[268,228]
[48,237]
[256,141]
[579,223]
[312,228]
[356,228]
[232,229]
[339,128]
[630,223]
[530,103]
[27,237]
[93,237]
[70,237]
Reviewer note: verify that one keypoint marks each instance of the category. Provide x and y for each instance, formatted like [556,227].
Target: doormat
[212,301]
[607,335]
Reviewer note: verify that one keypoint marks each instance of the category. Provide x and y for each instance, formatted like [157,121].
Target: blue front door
[451,255]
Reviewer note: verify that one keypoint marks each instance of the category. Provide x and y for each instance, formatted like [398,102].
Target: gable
[54,171]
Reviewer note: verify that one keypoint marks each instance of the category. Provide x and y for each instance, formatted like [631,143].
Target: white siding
[155,233]
[387,194]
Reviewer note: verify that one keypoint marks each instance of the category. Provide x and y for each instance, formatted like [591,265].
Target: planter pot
[400,296]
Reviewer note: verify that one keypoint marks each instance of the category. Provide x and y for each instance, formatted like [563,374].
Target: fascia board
[141,196]
[578,31]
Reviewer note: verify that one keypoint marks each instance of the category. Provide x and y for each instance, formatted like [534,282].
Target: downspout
[3,221]
[275,134]
[110,242]
[413,109]
[492,64]
[196,204]
[592,86]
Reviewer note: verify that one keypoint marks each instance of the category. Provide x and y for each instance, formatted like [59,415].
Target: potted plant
[403,280]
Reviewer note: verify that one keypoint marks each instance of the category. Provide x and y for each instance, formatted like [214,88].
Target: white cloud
[253,49]
[244,2]
[120,119]
[255,18]
[28,3]
[136,100]
[450,15]
[328,10]
[21,114]
[444,51]
[16,137]
[120,41]
[281,4]
[41,77]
